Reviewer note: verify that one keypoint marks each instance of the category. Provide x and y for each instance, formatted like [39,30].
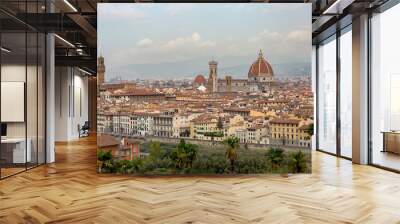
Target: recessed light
[84,71]
[64,40]
[70,5]
[5,50]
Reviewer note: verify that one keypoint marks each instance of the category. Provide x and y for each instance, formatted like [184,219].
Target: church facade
[259,78]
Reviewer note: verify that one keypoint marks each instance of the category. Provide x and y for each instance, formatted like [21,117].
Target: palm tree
[310,131]
[232,144]
[297,162]
[276,156]
[185,154]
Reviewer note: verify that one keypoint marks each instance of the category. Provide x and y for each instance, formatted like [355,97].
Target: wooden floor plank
[70,191]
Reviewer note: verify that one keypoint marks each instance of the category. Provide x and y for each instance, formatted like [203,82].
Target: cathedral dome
[200,80]
[260,68]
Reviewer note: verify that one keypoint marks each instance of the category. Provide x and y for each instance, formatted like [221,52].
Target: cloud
[291,45]
[266,35]
[194,40]
[144,42]
[114,11]
[285,8]
[175,9]
[170,50]
[299,35]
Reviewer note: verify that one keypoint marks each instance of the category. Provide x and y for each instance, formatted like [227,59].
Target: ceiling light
[70,5]
[5,50]
[65,41]
[84,71]
[338,6]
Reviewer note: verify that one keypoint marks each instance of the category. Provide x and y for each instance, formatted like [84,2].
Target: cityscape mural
[204,88]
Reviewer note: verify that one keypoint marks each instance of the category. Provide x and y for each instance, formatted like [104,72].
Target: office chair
[84,130]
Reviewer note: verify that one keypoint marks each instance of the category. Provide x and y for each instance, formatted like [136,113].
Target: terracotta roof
[284,121]
[260,67]
[106,141]
[236,109]
[204,118]
[138,92]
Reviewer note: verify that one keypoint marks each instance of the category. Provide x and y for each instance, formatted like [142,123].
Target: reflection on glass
[41,98]
[346,94]
[31,97]
[327,96]
[385,83]
[14,153]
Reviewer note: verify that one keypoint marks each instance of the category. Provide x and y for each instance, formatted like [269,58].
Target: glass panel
[31,89]
[41,98]
[13,87]
[41,79]
[314,88]
[327,96]
[31,98]
[346,94]
[23,84]
[385,84]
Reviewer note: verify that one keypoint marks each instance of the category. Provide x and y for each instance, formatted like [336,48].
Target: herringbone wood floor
[70,191]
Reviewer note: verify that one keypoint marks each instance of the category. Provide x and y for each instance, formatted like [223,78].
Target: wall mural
[204,88]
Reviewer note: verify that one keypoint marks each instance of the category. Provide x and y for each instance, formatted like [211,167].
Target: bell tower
[212,78]
[101,69]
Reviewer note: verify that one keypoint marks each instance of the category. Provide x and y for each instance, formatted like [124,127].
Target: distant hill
[192,68]
[286,69]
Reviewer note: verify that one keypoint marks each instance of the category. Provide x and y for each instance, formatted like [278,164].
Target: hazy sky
[156,40]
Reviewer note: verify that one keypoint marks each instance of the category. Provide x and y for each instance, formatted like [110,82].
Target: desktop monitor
[3,129]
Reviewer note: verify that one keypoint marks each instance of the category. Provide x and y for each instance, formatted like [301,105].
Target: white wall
[71,103]
[33,126]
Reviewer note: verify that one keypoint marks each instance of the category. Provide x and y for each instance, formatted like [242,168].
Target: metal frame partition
[41,40]
[336,30]
[382,8]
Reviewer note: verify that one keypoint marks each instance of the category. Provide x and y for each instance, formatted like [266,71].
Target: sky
[157,41]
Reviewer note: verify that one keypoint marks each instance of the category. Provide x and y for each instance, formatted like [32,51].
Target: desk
[13,150]
[391,141]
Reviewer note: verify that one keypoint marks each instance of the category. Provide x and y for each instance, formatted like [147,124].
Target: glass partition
[327,95]
[22,78]
[385,89]
[13,121]
[346,93]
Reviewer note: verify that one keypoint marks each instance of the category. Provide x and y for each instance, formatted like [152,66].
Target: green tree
[104,159]
[156,152]
[297,162]
[276,157]
[184,154]
[232,144]
[220,124]
[310,130]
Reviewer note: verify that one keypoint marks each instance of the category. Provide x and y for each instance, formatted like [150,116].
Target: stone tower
[212,78]
[101,69]
[228,80]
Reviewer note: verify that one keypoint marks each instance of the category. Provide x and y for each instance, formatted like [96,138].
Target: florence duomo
[260,78]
